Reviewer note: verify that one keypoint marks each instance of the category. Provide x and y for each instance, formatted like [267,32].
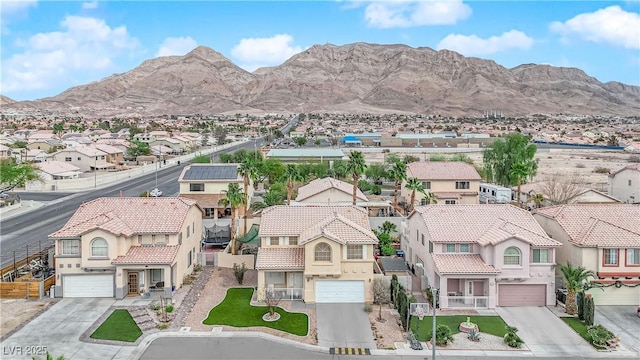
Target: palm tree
[234,197]
[292,175]
[356,167]
[576,280]
[519,171]
[538,199]
[248,169]
[415,185]
[398,173]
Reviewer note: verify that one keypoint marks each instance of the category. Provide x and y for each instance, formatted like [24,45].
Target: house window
[512,256]
[629,182]
[450,248]
[610,257]
[166,238]
[189,259]
[462,185]
[274,240]
[293,240]
[99,248]
[147,240]
[430,247]
[139,239]
[160,239]
[426,185]
[69,247]
[354,252]
[79,158]
[67,159]
[322,252]
[633,257]
[540,256]
[423,201]
[275,278]
[188,231]
[196,187]
[180,238]
[464,248]
[422,238]
[156,276]
[450,202]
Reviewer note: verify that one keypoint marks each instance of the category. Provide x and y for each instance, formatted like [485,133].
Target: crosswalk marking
[349,351]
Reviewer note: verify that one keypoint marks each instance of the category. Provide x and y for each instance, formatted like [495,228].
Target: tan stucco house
[86,158]
[482,255]
[624,184]
[116,247]
[451,182]
[318,254]
[604,238]
[327,191]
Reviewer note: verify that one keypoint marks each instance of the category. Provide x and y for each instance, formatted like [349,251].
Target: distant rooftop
[302,153]
[211,172]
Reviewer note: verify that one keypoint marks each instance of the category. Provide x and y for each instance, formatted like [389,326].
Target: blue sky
[49,46]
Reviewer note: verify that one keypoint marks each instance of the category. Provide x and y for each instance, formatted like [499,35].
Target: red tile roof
[280,258]
[285,220]
[598,225]
[319,185]
[340,229]
[442,170]
[462,264]
[148,255]
[128,216]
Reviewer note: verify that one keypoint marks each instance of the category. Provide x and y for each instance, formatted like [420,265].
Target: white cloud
[83,44]
[90,5]
[13,7]
[609,25]
[406,13]
[472,45]
[256,52]
[176,46]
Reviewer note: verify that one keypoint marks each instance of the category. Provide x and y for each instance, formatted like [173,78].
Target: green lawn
[236,310]
[118,326]
[493,325]
[579,327]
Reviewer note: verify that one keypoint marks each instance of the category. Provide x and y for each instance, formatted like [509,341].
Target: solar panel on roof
[211,172]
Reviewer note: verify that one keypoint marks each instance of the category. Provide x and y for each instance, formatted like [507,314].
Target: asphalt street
[32,228]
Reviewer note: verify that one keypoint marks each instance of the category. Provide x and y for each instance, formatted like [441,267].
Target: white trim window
[540,256]
[69,247]
[611,257]
[633,256]
[512,256]
[354,252]
[322,252]
[99,248]
[464,248]
[450,248]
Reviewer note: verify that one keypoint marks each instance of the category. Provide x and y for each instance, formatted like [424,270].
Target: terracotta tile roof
[462,264]
[442,170]
[628,167]
[319,185]
[453,194]
[148,255]
[128,216]
[57,167]
[342,223]
[481,223]
[280,258]
[597,225]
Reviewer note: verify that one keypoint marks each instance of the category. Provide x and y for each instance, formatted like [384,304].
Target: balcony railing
[468,302]
[289,293]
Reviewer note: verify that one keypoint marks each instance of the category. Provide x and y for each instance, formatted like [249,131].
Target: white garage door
[522,295]
[87,286]
[346,291]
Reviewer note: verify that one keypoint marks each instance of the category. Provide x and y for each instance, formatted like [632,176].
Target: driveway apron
[344,325]
[622,321]
[543,332]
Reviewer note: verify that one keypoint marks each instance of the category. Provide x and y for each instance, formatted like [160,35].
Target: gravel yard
[388,331]
[17,312]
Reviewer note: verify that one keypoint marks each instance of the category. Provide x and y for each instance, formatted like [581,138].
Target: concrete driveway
[59,329]
[543,332]
[622,321]
[344,325]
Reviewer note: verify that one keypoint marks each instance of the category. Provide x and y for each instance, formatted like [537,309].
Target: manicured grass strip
[118,326]
[236,310]
[579,327]
[493,325]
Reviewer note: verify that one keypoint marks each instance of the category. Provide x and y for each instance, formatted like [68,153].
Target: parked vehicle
[156,192]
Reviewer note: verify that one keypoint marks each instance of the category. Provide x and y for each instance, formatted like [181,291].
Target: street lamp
[434,293]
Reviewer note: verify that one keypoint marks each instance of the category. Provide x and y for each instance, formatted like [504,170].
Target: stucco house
[85,157]
[115,247]
[482,256]
[624,184]
[206,183]
[451,182]
[328,191]
[604,238]
[318,254]
[114,155]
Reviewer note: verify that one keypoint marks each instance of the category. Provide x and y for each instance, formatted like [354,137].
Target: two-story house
[319,254]
[451,182]
[327,191]
[115,247]
[114,155]
[624,184]
[84,157]
[207,183]
[482,255]
[603,238]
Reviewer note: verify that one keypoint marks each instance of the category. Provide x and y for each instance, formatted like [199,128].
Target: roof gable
[318,186]
[442,170]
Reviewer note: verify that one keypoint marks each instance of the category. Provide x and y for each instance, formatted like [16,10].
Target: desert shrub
[601,170]
[437,158]
[187,280]
[368,308]
[580,165]
[511,338]
[443,335]
[162,326]
[169,309]
[197,267]
[154,307]
[145,194]
[634,159]
[599,335]
[238,272]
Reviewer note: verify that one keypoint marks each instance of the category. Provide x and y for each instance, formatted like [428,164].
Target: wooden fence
[28,289]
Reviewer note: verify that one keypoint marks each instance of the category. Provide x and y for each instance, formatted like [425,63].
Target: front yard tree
[381,294]
[356,166]
[576,278]
[234,197]
[415,185]
[271,298]
[376,172]
[13,174]
[248,169]
[292,175]
[519,171]
[138,148]
[500,156]
[398,173]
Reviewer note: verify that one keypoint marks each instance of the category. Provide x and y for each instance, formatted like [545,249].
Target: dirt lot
[16,312]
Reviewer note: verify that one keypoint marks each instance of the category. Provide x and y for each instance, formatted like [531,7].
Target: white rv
[494,194]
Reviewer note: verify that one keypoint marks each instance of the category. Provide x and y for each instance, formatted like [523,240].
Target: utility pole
[434,292]
[95,172]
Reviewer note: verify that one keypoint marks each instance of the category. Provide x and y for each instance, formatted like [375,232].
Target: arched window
[99,248]
[322,252]
[512,256]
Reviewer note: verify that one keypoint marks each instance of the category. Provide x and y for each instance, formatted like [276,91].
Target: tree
[238,272]
[398,172]
[376,172]
[271,298]
[292,175]
[274,196]
[381,294]
[415,185]
[519,171]
[13,174]
[612,140]
[202,159]
[559,188]
[58,128]
[248,169]
[500,156]
[408,159]
[234,197]
[138,148]
[317,142]
[300,141]
[576,279]
[356,166]
[339,169]
[538,199]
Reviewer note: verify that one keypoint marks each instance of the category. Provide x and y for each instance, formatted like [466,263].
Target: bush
[364,185]
[197,267]
[599,335]
[162,326]
[187,280]
[602,170]
[368,308]
[154,307]
[588,310]
[580,165]
[437,158]
[580,301]
[169,309]
[387,250]
[375,190]
[443,335]
[511,338]
[238,271]
[634,159]
[145,194]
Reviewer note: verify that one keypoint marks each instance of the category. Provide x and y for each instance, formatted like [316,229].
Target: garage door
[87,286]
[346,291]
[522,295]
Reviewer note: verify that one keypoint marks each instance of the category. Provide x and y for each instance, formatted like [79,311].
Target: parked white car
[156,192]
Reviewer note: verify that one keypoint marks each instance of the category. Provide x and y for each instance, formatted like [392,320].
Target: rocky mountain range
[354,78]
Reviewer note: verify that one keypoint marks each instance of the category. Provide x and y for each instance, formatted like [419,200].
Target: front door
[133,283]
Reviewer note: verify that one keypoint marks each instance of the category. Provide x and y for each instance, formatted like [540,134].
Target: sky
[50,46]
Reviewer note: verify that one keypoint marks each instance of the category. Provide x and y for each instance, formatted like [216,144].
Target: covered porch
[146,269]
[287,285]
[281,270]
[465,293]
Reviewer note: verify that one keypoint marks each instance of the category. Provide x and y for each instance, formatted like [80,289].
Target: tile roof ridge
[354,225]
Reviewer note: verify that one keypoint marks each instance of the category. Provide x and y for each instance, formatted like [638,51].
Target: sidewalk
[25,207]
